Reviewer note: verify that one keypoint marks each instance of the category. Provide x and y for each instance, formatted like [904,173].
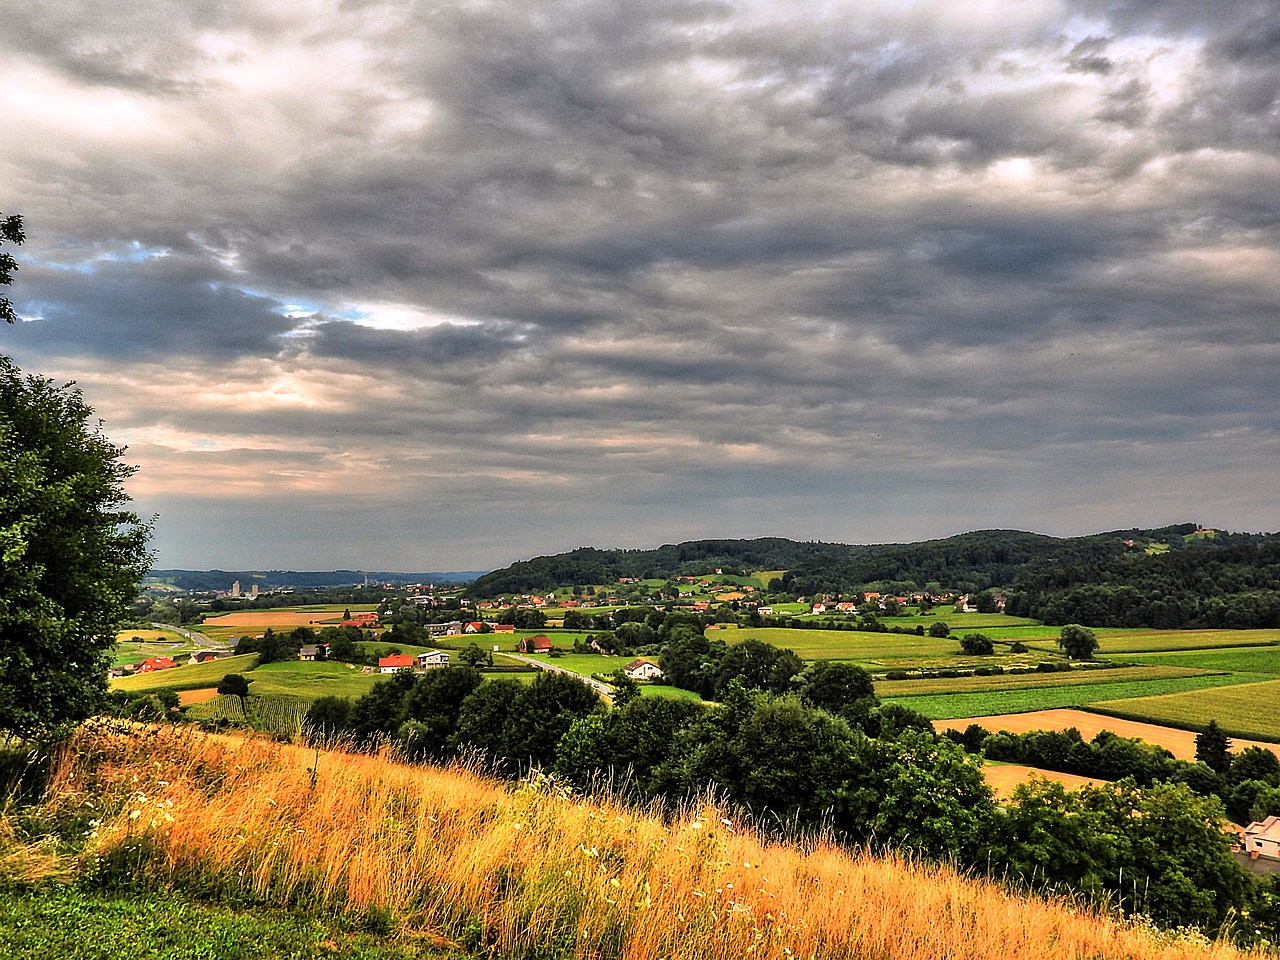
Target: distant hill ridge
[968,562]
[207,580]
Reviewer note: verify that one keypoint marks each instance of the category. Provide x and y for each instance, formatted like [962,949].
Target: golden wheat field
[453,854]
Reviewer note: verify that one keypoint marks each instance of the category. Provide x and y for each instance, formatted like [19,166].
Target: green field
[1036,681]
[186,678]
[1111,642]
[584,663]
[310,681]
[1263,661]
[948,706]
[1250,710]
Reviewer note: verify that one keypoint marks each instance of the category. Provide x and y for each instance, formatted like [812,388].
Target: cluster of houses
[428,660]
[152,664]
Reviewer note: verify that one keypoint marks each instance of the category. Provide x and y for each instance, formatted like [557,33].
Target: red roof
[398,661]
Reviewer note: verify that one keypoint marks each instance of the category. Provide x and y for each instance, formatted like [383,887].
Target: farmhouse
[642,669]
[309,653]
[452,628]
[432,659]
[539,644]
[152,664]
[207,656]
[396,663]
[1262,838]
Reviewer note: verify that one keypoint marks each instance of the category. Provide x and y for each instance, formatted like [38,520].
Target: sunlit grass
[533,871]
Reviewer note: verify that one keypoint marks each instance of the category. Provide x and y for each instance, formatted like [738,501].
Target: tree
[831,686]
[473,656]
[939,629]
[1078,642]
[977,644]
[10,232]
[72,553]
[1213,748]
[234,685]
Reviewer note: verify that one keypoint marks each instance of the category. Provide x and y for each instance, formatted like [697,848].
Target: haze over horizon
[442,286]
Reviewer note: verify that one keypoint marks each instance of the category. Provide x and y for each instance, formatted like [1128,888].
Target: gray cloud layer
[452,283]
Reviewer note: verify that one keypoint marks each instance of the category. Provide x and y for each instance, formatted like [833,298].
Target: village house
[309,653]
[1262,838]
[152,664]
[539,644]
[504,628]
[432,659]
[395,663]
[473,626]
[642,669]
[452,628]
[207,656]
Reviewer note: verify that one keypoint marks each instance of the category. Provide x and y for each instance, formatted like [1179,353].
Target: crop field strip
[1037,681]
[1245,710]
[187,677]
[946,706]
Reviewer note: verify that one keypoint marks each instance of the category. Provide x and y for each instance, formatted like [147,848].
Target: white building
[1262,838]
[642,669]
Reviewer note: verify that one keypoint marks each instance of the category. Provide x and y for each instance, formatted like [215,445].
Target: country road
[199,639]
[605,691]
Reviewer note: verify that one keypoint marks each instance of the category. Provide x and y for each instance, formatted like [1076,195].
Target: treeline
[1236,586]
[588,565]
[1247,783]
[870,773]
[968,563]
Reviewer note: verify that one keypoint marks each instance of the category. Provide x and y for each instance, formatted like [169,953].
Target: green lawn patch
[192,677]
[64,923]
[1031,681]
[992,703]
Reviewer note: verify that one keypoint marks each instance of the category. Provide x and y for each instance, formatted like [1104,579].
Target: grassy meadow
[944,706]
[445,856]
[1244,710]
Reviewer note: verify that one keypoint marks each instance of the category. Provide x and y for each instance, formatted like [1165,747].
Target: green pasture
[1112,642]
[585,663]
[662,690]
[840,644]
[193,677]
[1245,710]
[963,622]
[993,703]
[1037,681]
[309,681]
[1264,661]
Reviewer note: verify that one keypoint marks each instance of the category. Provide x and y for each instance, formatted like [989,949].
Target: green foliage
[939,629]
[72,554]
[977,644]
[1078,642]
[69,923]
[1212,748]
[234,685]
[10,232]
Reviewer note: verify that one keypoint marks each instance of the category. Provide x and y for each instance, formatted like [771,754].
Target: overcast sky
[439,286]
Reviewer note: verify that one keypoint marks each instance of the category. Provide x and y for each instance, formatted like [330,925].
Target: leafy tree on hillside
[73,555]
[833,685]
[1213,748]
[1078,642]
[939,629]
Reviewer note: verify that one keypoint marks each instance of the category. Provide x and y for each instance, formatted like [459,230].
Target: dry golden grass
[534,871]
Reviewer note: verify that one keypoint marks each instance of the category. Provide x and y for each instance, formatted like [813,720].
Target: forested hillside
[1236,587]
[966,563]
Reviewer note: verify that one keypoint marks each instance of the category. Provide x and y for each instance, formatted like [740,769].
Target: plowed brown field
[1181,743]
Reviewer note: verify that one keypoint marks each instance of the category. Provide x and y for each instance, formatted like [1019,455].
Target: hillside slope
[532,871]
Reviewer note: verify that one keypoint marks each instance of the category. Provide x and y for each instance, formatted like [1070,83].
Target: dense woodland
[1232,586]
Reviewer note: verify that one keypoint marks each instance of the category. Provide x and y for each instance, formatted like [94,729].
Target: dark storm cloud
[675,264]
